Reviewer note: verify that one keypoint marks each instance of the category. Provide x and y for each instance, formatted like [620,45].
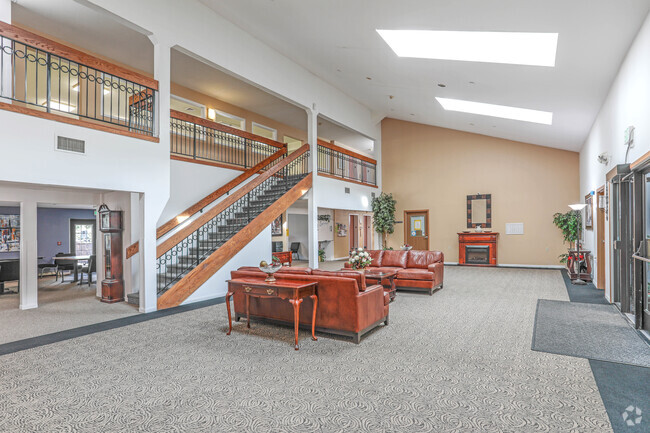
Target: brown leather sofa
[416,270]
[346,306]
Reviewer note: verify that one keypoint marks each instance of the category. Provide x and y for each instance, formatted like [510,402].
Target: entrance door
[621,229]
[600,237]
[642,255]
[82,237]
[367,232]
[354,232]
[416,229]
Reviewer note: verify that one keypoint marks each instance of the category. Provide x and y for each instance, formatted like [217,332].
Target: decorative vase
[269,270]
[479,229]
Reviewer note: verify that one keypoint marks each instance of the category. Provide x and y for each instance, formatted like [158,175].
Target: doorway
[416,229]
[600,237]
[354,232]
[82,237]
[367,232]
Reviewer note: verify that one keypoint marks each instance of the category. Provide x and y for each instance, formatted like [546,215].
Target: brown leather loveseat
[346,306]
[416,270]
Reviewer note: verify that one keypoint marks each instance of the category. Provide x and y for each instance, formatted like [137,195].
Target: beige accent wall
[427,167]
[342,243]
[250,117]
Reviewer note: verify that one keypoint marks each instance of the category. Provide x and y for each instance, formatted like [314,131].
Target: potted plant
[383,208]
[321,255]
[569,224]
[359,259]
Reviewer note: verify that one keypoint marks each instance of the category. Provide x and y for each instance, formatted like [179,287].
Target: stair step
[133,298]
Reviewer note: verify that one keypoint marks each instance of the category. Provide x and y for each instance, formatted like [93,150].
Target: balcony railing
[203,140]
[335,161]
[46,76]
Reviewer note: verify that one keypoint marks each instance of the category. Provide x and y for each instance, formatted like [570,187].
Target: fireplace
[477,254]
[477,248]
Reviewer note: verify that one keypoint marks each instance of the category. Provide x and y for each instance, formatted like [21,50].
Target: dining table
[76,260]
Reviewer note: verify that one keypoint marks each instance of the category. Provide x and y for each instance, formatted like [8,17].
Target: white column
[312,206]
[28,256]
[151,206]
[5,86]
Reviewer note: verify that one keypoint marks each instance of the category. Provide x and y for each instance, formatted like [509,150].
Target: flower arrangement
[359,259]
[406,247]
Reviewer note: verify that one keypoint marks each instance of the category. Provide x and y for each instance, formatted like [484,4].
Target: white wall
[298,232]
[191,182]
[628,103]
[251,255]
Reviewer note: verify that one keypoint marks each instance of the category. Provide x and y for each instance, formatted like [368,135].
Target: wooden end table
[293,291]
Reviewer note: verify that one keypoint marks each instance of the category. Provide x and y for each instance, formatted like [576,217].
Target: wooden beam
[348,152]
[223,128]
[223,205]
[199,275]
[26,37]
[205,201]
[77,122]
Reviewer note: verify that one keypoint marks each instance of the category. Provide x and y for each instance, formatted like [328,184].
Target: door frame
[352,231]
[407,222]
[87,221]
[600,241]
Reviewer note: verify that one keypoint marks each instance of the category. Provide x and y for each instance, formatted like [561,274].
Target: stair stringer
[187,285]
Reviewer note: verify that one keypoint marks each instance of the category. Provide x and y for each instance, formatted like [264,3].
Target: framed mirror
[479,211]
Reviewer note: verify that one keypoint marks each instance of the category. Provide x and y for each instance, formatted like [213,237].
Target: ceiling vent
[347,190]
[67,144]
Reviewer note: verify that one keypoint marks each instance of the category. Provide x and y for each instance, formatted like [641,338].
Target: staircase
[190,257]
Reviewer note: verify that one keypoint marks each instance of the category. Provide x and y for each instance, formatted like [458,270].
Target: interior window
[186,106]
[264,131]
[293,144]
[226,119]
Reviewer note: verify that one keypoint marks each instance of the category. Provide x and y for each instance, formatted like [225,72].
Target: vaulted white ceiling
[336,40]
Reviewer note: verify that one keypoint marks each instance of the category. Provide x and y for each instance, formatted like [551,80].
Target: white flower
[359,249]
[356,257]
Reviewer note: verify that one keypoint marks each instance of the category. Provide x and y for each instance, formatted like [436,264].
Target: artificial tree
[383,208]
[569,224]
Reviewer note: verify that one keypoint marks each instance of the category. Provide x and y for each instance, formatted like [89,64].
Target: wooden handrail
[205,201]
[177,237]
[223,128]
[206,269]
[36,41]
[333,146]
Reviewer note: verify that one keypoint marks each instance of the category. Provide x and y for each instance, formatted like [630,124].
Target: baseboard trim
[506,265]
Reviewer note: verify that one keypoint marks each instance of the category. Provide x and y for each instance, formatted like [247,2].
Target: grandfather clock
[110,224]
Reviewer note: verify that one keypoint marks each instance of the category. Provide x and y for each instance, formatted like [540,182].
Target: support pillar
[28,256]
[312,206]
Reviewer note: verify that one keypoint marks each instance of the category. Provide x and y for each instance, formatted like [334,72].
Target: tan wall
[426,167]
[250,117]
[342,243]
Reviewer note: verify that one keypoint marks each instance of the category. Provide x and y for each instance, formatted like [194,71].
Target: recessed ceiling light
[368,78]
[503,111]
[442,85]
[519,48]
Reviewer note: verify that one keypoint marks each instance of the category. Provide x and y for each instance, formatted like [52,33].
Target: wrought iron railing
[339,164]
[216,143]
[46,81]
[196,247]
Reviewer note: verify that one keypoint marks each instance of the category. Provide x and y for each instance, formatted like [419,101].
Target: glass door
[622,263]
[644,252]
[82,237]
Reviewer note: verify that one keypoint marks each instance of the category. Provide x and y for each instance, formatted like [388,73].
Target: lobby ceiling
[337,40]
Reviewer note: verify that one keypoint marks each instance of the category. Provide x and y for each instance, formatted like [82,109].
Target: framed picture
[276,227]
[589,212]
[341,230]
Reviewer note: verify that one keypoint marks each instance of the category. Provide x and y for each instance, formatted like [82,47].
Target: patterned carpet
[459,361]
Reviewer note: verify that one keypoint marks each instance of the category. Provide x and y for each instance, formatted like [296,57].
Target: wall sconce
[212,114]
[604,158]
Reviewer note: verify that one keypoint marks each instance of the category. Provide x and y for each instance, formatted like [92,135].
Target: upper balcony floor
[47,77]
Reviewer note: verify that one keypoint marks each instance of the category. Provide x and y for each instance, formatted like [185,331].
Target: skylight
[535,49]
[502,111]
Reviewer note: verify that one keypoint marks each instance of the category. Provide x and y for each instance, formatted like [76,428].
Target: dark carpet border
[69,334]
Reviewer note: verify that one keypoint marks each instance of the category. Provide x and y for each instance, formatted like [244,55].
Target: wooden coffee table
[377,277]
[290,290]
